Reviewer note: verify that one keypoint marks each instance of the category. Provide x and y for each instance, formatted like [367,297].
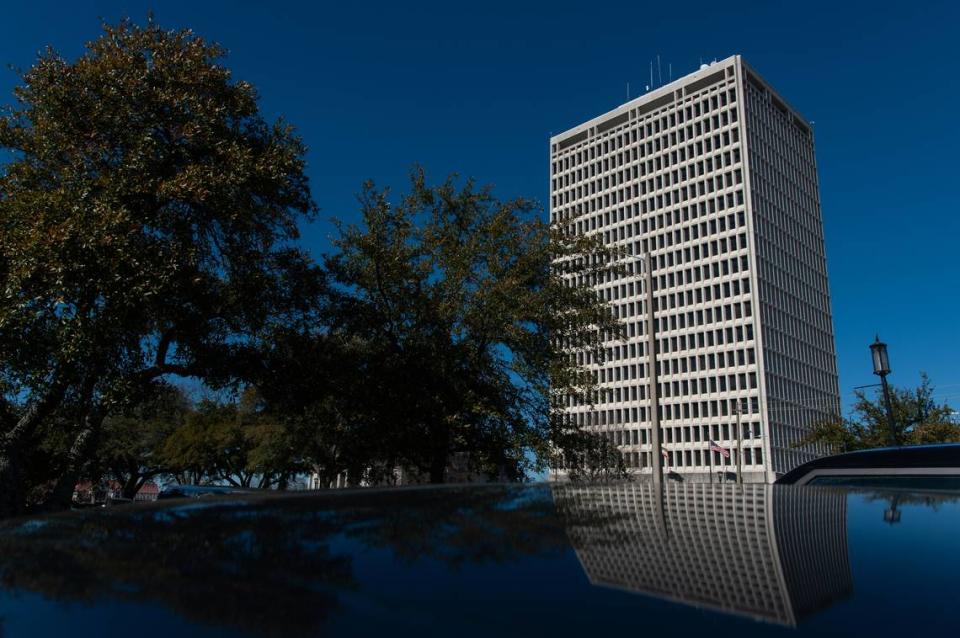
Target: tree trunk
[440,453]
[325,477]
[12,489]
[83,445]
[438,466]
[131,486]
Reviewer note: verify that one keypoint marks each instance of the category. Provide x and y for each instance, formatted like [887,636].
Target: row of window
[799,355]
[651,125]
[680,343]
[700,459]
[714,182]
[689,387]
[677,410]
[590,204]
[637,152]
[687,409]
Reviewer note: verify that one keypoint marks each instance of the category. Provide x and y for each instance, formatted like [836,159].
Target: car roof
[942,455]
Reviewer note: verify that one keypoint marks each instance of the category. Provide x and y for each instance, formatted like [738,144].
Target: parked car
[920,467]
[571,559]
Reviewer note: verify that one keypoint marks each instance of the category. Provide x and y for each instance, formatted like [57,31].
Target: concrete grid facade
[770,553]
[713,176]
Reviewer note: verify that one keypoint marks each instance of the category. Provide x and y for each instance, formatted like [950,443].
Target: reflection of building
[148,492]
[460,469]
[714,177]
[772,554]
[88,493]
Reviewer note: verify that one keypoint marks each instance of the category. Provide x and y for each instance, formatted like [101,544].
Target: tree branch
[170,368]
[37,411]
[163,347]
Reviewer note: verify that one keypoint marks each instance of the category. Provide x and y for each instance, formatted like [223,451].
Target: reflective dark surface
[492,560]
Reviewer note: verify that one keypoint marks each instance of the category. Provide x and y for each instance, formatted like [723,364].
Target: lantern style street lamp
[881,362]
[881,368]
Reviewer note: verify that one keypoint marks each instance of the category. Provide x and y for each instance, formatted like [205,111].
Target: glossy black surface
[945,456]
[492,560]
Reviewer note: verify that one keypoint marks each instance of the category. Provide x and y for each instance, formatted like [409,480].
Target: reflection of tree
[928,500]
[271,564]
[218,564]
[460,525]
[894,499]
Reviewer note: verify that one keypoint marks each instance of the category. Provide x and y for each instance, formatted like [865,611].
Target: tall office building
[713,177]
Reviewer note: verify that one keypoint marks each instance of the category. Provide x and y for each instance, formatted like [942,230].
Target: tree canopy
[235,442]
[130,449]
[452,304]
[148,232]
[917,418]
[147,221]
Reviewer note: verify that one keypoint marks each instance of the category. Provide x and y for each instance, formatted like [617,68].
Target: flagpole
[710,457]
[724,462]
[739,447]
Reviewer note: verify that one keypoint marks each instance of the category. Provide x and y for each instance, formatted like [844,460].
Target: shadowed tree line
[149,221]
[238,443]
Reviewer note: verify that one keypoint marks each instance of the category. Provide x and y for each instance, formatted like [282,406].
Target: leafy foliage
[591,457]
[146,222]
[917,419]
[453,304]
[131,446]
[239,443]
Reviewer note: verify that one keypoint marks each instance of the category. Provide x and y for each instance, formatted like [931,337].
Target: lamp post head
[891,515]
[881,361]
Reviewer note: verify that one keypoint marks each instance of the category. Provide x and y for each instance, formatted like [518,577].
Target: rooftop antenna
[659,74]
[651,72]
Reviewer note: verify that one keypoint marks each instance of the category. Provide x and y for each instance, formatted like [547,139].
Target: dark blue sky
[478,90]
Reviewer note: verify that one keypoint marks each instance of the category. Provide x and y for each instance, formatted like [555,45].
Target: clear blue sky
[478,89]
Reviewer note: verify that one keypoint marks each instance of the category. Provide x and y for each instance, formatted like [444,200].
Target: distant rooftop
[661,96]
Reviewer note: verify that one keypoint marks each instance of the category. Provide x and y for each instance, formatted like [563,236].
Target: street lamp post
[654,389]
[881,368]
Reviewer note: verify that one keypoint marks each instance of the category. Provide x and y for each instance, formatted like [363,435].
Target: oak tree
[465,312]
[147,214]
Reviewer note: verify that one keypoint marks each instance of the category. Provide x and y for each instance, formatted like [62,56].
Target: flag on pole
[664,452]
[714,447]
